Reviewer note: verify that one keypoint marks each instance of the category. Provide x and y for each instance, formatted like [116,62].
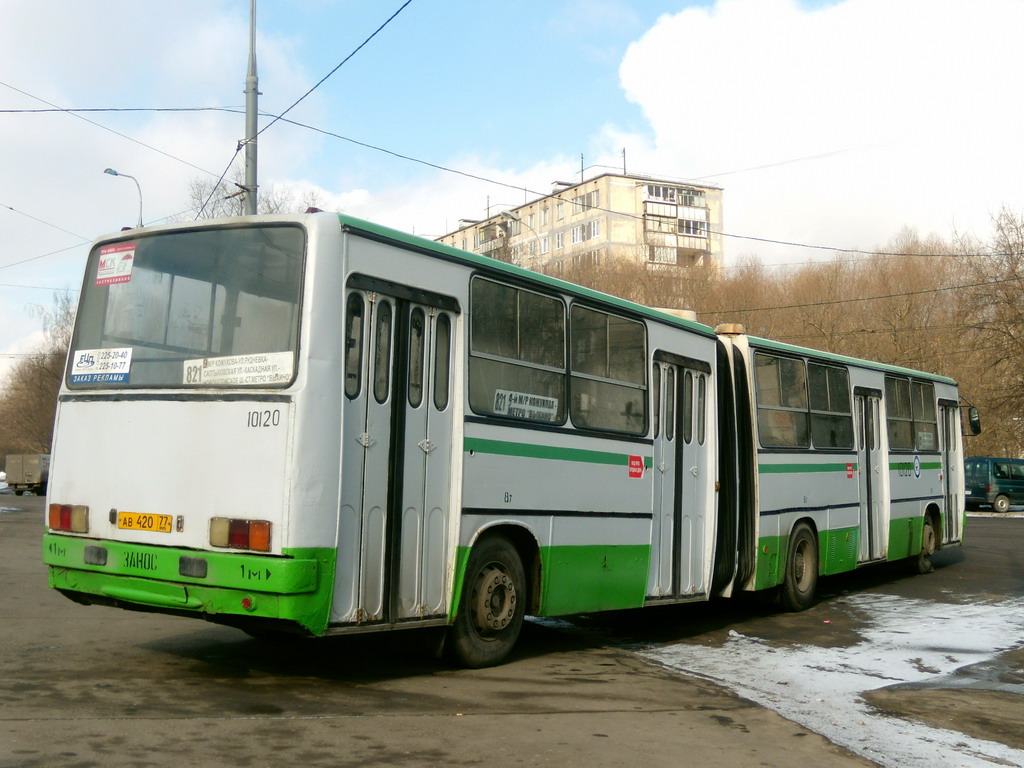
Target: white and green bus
[311,423]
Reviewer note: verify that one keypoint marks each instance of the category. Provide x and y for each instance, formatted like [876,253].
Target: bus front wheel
[801,569]
[492,606]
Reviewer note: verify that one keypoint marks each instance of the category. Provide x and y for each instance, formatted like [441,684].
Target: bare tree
[29,396]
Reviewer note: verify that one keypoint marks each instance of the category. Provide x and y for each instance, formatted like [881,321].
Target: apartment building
[663,224]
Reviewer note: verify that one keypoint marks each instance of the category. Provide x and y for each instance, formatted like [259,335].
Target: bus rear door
[396,456]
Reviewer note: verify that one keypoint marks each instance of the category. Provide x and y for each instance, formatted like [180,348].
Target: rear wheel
[1001,504]
[801,569]
[492,605]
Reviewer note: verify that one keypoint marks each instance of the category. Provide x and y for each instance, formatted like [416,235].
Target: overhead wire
[476,177]
[344,61]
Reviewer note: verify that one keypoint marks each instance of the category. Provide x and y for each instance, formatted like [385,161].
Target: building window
[544,245]
[595,228]
[662,254]
[559,240]
[577,234]
[692,227]
[586,202]
[694,198]
[560,210]
[543,217]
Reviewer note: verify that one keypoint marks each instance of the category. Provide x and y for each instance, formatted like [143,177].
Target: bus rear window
[201,308]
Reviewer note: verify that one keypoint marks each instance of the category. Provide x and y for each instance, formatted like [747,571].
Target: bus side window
[442,361]
[354,346]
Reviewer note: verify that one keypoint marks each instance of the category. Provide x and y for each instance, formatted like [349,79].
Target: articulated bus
[315,424]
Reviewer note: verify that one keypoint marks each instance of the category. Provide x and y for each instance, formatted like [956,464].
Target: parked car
[995,481]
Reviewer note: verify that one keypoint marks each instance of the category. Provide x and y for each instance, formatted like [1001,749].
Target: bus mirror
[974,420]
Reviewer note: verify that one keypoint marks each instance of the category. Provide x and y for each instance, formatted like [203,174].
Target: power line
[865,298]
[105,128]
[40,287]
[280,117]
[42,221]
[217,185]
[41,256]
[340,65]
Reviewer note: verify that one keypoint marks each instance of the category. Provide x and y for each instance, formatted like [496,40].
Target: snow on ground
[905,640]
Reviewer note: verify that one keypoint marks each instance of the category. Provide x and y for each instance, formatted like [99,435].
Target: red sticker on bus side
[849,470]
[636,466]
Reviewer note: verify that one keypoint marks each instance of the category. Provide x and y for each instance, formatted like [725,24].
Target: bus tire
[923,561]
[801,577]
[1001,504]
[493,603]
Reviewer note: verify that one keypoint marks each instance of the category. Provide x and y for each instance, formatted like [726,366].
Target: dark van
[999,482]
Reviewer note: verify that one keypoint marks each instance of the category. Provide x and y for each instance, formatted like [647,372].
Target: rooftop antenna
[251,113]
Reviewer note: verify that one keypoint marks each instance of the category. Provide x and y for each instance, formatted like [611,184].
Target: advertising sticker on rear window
[101,366]
[115,264]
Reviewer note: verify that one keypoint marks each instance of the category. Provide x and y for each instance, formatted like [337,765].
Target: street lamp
[112,172]
[508,215]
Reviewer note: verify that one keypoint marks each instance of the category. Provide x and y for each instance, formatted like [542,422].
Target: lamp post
[508,215]
[112,172]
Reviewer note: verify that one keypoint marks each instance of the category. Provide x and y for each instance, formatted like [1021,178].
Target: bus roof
[388,235]
[779,346]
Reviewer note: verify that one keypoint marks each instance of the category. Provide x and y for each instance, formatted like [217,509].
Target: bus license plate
[140,521]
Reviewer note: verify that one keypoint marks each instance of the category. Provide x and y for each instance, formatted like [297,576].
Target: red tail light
[72,518]
[240,534]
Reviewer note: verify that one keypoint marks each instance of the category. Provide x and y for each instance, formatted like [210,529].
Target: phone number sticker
[101,366]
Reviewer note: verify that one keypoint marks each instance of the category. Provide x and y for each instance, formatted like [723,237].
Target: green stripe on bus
[786,469]
[534,451]
[904,465]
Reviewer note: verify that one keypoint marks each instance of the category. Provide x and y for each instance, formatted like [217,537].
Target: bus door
[396,455]
[952,471]
[678,547]
[870,467]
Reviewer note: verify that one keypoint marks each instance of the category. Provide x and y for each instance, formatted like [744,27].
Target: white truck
[28,472]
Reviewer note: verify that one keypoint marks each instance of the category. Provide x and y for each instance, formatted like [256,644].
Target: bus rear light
[240,534]
[72,518]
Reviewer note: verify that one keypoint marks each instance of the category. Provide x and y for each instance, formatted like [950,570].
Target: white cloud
[909,100]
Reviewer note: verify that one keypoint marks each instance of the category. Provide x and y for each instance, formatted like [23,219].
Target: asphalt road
[90,686]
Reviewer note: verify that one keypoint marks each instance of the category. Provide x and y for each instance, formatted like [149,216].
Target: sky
[829,123]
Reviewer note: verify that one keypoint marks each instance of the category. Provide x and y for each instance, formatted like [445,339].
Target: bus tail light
[72,518]
[240,534]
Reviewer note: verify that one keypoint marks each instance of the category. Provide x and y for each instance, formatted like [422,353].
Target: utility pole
[251,113]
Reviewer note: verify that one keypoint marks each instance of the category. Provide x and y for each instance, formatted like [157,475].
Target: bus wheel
[923,561]
[491,610]
[1001,504]
[801,569]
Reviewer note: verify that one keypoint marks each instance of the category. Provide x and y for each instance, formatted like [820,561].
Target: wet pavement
[89,686]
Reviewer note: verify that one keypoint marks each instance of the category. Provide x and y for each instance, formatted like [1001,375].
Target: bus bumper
[217,585]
